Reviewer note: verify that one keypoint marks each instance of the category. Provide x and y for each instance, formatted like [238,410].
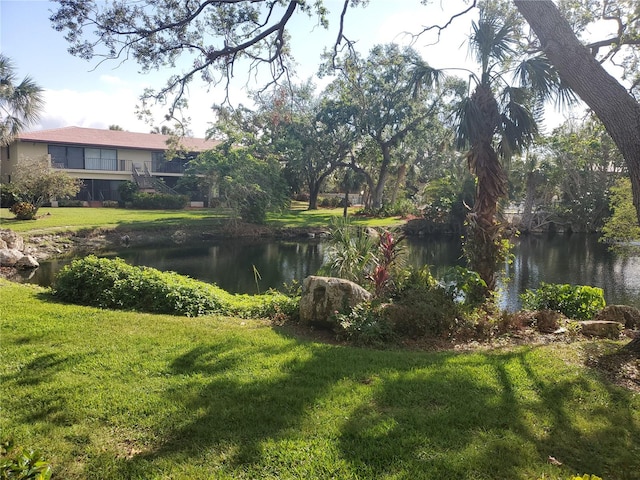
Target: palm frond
[424,75]
[491,39]
[538,74]
[518,123]
[468,119]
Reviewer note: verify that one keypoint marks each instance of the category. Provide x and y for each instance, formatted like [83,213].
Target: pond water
[248,266]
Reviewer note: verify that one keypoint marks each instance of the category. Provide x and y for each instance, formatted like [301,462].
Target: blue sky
[86,94]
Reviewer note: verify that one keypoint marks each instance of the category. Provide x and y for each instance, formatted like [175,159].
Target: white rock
[10,256]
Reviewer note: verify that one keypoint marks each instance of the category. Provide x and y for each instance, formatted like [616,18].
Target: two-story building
[103,159]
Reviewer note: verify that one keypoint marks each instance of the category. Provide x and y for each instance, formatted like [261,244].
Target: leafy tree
[36,183]
[622,225]
[308,134]
[219,35]
[387,107]
[579,68]
[127,190]
[585,165]
[247,183]
[116,128]
[20,104]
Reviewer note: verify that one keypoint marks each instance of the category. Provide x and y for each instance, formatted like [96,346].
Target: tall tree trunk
[402,174]
[378,192]
[529,200]
[484,232]
[618,111]
[314,191]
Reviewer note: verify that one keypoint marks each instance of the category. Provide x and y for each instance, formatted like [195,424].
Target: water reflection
[576,259]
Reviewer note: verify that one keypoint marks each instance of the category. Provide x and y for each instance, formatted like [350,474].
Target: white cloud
[117,105]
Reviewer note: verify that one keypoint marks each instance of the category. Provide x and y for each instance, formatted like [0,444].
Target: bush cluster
[159,201]
[112,283]
[331,202]
[24,210]
[22,464]
[579,302]
[70,203]
[419,307]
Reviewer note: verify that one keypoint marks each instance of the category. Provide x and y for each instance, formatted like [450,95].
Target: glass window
[100,159]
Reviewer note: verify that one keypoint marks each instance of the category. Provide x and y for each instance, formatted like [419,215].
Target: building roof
[113,138]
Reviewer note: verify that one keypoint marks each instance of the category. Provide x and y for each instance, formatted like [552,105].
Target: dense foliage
[36,183]
[22,464]
[112,283]
[158,201]
[579,302]
[248,180]
[622,225]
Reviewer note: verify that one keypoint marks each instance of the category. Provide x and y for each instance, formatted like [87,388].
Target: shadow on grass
[417,415]
[51,407]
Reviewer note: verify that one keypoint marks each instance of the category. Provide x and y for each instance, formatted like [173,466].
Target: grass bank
[112,395]
[70,220]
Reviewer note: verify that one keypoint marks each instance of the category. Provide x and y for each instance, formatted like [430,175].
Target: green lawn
[75,219]
[115,395]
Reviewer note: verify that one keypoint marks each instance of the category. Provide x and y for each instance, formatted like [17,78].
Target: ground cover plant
[112,283]
[108,394]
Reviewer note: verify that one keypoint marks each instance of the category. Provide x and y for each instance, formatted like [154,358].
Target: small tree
[622,226]
[36,183]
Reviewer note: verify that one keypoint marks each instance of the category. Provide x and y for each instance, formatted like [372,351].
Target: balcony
[123,165]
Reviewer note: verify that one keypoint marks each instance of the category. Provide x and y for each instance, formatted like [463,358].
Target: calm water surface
[247,266]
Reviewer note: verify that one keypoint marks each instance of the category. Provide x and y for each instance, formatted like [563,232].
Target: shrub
[364,325]
[580,302]
[400,208]
[22,464]
[127,190]
[112,283]
[24,210]
[110,204]
[423,307]
[7,195]
[159,201]
[70,203]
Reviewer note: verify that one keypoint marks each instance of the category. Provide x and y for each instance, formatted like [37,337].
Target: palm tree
[496,121]
[20,105]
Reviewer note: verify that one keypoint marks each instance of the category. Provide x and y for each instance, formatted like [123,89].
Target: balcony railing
[122,165]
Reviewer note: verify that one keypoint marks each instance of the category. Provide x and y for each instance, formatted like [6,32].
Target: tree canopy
[215,38]
[20,102]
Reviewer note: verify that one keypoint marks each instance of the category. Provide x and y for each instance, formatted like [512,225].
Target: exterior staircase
[148,183]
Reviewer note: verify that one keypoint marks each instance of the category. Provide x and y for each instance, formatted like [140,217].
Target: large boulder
[10,256]
[601,328]
[624,314]
[322,297]
[27,262]
[12,240]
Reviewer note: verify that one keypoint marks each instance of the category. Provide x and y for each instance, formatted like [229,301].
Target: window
[66,157]
[100,159]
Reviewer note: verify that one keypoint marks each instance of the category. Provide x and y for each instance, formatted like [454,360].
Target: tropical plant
[20,104]
[493,123]
[22,464]
[579,302]
[351,251]
[622,226]
[36,183]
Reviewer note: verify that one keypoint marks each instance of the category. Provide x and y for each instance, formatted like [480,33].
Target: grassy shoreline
[111,395]
[82,219]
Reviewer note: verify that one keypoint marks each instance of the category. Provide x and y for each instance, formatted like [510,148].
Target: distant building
[103,159]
